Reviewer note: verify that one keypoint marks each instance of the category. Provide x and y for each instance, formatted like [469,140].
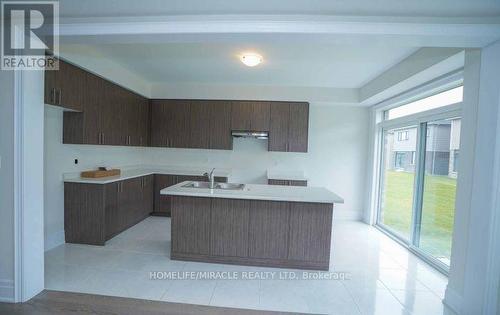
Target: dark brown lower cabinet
[310,232]
[191,225]
[252,232]
[162,204]
[115,218]
[285,182]
[84,213]
[229,227]
[94,213]
[268,227]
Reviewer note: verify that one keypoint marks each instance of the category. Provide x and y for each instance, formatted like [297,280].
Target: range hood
[250,134]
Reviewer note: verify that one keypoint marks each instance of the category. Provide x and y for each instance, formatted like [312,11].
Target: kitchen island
[259,225]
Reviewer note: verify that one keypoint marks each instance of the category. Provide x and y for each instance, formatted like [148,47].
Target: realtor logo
[30,31]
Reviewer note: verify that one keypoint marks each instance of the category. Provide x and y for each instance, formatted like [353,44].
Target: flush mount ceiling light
[251,60]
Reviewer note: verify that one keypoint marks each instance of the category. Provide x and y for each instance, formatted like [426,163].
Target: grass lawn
[437,211]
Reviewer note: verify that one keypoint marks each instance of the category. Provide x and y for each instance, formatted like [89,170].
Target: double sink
[224,186]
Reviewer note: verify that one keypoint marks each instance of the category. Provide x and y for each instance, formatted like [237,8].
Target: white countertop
[259,192]
[138,172]
[285,175]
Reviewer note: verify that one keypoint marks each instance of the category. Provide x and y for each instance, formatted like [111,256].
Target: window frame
[420,120]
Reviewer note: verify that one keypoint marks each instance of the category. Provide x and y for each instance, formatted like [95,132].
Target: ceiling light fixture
[251,60]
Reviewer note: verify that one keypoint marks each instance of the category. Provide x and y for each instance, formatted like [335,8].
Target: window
[399,159]
[418,178]
[397,185]
[455,160]
[445,98]
[403,135]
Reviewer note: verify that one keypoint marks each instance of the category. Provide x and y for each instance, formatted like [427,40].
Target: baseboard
[347,215]
[452,301]
[6,291]
[54,240]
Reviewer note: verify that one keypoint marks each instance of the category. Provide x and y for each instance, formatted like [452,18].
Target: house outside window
[403,135]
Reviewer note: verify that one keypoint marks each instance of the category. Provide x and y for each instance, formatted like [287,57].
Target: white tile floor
[384,277]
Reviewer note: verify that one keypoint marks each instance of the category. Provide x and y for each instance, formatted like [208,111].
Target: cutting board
[99,173]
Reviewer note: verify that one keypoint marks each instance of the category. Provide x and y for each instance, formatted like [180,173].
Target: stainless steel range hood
[250,134]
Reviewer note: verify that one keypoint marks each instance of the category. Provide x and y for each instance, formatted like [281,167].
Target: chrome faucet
[211,179]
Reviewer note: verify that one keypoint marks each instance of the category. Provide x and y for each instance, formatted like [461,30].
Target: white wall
[92,60]
[336,160]
[474,235]
[31,209]
[6,185]
[235,91]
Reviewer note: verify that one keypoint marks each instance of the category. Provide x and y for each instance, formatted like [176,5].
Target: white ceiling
[299,64]
[350,44]
[422,8]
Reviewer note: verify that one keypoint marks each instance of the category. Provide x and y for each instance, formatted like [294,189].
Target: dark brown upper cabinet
[170,123]
[104,113]
[278,133]
[220,125]
[200,125]
[65,87]
[289,127]
[191,124]
[110,115]
[298,131]
[250,115]
[210,125]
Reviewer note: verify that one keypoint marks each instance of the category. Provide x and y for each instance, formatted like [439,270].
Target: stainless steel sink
[224,186]
[196,185]
[229,186]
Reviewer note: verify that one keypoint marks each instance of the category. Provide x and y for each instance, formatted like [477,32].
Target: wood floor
[56,303]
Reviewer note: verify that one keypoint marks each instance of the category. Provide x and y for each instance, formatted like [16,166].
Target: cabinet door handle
[59,93]
[102,138]
[53,95]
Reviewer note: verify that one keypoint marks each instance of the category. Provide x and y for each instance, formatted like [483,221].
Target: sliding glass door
[418,182]
[398,177]
[442,154]
[418,174]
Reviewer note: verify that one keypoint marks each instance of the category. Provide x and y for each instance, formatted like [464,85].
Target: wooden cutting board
[99,173]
